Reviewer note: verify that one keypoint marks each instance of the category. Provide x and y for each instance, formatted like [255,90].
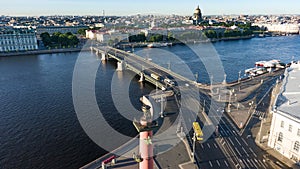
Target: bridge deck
[139,64]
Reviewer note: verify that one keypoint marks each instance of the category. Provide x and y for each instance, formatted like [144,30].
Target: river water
[39,126]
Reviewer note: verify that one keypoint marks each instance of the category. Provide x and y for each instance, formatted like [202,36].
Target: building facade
[17,40]
[106,36]
[285,127]
[112,35]
[91,34]
[61,29]
[281,28]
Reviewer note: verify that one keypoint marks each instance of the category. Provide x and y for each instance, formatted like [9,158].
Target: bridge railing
[180,77]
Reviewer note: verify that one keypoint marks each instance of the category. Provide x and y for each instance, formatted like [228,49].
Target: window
[298,133]
[296,146]
[282,124]
[290,128]
[280,137]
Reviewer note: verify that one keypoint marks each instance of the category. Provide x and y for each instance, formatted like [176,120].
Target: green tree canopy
[46,38]
[82,31]
[137,38]
[59,40]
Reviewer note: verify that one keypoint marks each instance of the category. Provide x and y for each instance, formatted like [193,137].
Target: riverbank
[46,51]
[145,44]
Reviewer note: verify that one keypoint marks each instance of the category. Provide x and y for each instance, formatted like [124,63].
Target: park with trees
[59,40]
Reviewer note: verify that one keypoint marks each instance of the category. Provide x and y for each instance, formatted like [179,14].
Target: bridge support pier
[103,57]
[120,66]
[224,81]
[142,78]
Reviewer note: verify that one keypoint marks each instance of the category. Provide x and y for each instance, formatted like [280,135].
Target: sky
[132,7]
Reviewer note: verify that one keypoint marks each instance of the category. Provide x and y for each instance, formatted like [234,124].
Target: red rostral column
[145,127]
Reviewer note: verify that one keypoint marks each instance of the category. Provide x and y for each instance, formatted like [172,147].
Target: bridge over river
[164,78]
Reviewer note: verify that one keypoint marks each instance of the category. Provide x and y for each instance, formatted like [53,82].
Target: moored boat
[157,45]
[262,67]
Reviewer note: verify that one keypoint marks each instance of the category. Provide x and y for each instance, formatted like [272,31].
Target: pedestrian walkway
[179,157]
[240,113]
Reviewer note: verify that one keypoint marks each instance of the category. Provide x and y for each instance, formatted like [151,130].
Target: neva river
[38,124]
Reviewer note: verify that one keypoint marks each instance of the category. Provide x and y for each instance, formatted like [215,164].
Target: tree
[73,40]
[46,38]
[152,39]
[69,33]
[187,35]
[247,32]
[59,40]
[137,38]
[55,37]
[156,38]
[63,40]
[159,38]
[82,31]
[220,35]
[170,36]
[227,33]
[210,34]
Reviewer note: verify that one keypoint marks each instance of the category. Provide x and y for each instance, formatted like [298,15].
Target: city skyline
[133,7]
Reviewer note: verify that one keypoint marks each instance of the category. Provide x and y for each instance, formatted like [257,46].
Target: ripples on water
[235,55]
[38,124]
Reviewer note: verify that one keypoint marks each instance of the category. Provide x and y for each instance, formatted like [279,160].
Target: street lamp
[194,146]
[132,48]
[225,78]
[228,107]
[196,76]
[211,82]
[217,130]
[161,106]
[261,124]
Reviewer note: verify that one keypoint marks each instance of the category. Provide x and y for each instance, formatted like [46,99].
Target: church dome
[197,10]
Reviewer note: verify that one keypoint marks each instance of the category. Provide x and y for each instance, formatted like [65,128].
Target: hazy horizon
[155,7]
[133,7]
[147,15]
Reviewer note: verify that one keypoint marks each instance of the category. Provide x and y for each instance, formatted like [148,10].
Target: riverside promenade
[179,157]
[44,51]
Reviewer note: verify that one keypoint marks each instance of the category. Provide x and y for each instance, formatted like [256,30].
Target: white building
[285,128]
[106,36]
[281,28]
[91,34]
[155,31]
[113,35]
[17,40]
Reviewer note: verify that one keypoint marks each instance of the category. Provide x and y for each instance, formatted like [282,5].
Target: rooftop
[11,30]
[289,101]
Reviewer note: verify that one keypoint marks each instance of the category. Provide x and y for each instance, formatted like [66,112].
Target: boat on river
[157,45]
